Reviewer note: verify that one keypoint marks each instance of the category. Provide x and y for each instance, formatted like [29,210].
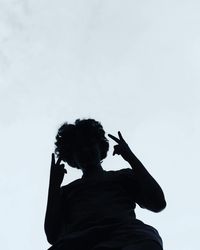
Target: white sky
[133,66]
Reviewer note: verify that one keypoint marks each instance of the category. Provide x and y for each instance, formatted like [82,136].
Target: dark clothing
[145,245]
[100,213]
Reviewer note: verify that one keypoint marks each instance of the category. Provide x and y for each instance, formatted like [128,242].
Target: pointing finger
[52,162]
[52,158]
[58,161]
[120,136]
[114,138]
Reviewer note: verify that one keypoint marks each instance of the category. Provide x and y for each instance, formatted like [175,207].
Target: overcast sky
[133,66]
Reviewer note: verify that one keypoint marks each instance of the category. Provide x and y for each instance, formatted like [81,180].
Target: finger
[120,136]
[58,161]
[52,159]
[115,152]
[52,162]
[116,149]
[114,138]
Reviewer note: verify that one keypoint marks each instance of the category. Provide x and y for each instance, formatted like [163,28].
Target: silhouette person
[96,211]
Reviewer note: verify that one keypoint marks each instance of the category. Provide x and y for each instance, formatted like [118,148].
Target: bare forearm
[53,213]
[151,191]
[149,194]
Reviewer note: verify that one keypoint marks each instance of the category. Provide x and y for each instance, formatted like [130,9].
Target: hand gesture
[122,148]
[57,172]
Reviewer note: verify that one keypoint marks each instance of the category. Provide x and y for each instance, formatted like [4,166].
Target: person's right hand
[57,172]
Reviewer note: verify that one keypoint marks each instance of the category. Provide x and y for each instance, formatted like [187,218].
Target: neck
[92,170]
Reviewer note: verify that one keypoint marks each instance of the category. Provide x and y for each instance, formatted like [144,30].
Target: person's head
[81,143]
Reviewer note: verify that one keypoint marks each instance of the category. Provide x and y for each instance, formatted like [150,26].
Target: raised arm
[150,194]
[53,216]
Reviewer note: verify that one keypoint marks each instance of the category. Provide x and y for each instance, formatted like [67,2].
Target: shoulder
[70,185]
[120,171]
[127,177]
[125,172]
[128,181]
[122,175]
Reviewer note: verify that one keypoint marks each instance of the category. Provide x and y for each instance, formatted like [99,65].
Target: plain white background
[133,66]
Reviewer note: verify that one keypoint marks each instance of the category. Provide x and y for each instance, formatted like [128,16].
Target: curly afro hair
[68,134]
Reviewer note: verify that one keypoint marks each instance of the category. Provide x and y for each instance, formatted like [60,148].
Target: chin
[87,163]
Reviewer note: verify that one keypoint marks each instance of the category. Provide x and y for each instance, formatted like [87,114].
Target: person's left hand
[122,148]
